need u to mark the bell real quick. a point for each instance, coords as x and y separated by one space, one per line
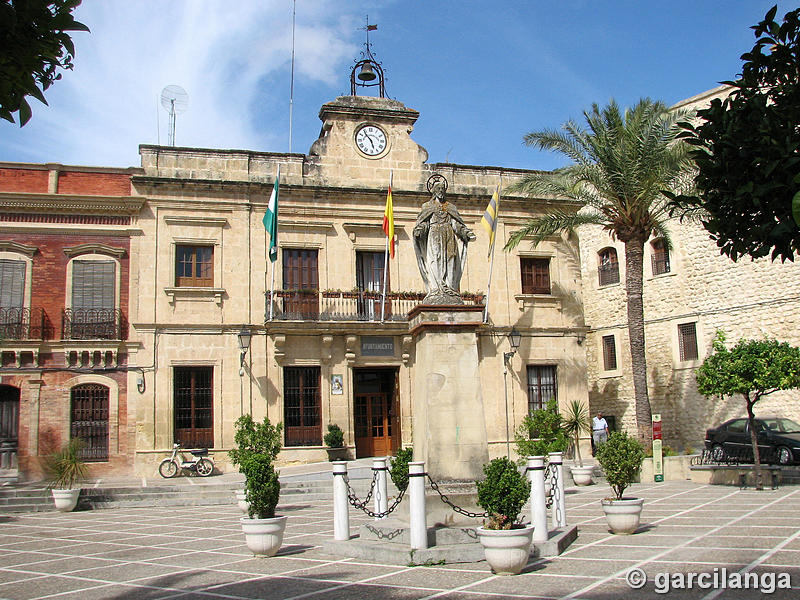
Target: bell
366 74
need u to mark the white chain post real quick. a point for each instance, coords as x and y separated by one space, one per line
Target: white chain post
418 526
341 511
559 506
381 490
538 500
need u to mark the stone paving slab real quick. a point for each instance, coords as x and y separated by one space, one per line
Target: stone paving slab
199 552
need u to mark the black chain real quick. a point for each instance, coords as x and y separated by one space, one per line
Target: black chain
447 501
362 504
554 496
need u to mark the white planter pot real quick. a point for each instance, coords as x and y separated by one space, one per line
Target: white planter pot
623 515
65 500
263 536
582 475
242 502
507 550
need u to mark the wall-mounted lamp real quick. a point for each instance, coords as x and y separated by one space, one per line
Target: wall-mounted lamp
514 339
140 383
244 345
581 339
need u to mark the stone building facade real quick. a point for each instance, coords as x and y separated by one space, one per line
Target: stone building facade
325 355
689 294
64 291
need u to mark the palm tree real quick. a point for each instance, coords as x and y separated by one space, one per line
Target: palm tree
620 166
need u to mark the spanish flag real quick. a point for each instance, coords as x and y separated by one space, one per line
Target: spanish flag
489 220
388 220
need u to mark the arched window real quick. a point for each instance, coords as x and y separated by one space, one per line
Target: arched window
92 311
660 257
608 266
89 420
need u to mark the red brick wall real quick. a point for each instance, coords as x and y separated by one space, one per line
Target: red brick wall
94 184
23 180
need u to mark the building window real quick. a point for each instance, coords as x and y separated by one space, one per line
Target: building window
300 283
89 420
369 279
302 406
609 353
535 275
93 313
12 297
541 386
608 269
687 341
660 257
194 266
193 399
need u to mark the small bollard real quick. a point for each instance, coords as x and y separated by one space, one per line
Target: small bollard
418 526
381 502
559 505
341 512
538 501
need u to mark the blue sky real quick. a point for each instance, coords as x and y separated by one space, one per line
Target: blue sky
481 74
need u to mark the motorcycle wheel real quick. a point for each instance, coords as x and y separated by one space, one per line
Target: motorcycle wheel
204 467
168 468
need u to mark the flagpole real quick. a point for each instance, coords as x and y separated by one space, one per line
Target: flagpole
272 285
491 250
291 81
386 259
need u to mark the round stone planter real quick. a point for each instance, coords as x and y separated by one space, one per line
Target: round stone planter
65 500
582 475
623 515
263 536
241 501
507 550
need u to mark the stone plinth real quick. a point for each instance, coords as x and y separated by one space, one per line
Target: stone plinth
449 423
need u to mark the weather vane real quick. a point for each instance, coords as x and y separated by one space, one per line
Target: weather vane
369 69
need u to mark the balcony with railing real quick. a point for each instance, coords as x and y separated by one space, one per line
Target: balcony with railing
24 324
311 305
93 324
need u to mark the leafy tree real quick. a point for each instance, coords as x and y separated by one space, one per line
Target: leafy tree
540 433
621 163
747 150
754 369
34 45
258 445
621 459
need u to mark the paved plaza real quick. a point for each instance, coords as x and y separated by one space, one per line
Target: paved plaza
199 552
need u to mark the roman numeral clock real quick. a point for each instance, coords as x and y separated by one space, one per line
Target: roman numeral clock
371 140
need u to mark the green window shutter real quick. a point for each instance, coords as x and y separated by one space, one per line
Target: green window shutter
12 283
93 284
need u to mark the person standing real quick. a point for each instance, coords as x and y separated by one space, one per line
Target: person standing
599 431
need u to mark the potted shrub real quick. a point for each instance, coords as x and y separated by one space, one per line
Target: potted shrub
621 458
334 440
258 445
65 468
575 422
506 544
540 433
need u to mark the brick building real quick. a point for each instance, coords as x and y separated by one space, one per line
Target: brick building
64 294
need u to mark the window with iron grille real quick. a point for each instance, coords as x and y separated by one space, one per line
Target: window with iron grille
608 269
542 386
687 341
193 401
660 257
609 353
535 275
302 406
194 266
89 420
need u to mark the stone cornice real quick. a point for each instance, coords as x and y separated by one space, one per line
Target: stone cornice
94 249
19 248
69 203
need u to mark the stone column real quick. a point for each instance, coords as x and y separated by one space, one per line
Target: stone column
538 500
418 526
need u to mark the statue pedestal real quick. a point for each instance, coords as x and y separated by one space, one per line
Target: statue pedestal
449 423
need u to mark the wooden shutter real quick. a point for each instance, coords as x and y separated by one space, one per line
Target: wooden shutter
535 275
12 283
93 284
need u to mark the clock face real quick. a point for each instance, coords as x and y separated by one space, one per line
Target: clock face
371 140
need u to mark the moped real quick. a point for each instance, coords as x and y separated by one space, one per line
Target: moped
199 463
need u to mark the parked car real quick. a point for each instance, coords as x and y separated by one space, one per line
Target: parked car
778 440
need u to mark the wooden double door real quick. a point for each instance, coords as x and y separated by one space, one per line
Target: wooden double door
376 412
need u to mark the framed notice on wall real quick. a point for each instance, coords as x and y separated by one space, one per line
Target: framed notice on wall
337 385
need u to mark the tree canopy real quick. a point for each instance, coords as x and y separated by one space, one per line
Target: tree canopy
34 46
746 147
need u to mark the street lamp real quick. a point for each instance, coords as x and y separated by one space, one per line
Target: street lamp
514 339
244 345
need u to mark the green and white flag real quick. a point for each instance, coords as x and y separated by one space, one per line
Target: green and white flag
270 219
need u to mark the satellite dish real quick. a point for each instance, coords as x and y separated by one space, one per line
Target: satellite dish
175 99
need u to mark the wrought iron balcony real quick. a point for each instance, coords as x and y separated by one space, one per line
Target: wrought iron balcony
23 324
311 305
93 324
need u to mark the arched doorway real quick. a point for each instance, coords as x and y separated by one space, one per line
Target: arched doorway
9 427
